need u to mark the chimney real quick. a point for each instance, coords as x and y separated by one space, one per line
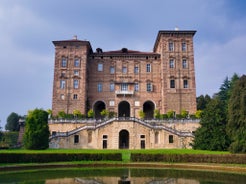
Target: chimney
75 37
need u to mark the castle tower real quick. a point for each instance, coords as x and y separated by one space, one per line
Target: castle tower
178 71
70 75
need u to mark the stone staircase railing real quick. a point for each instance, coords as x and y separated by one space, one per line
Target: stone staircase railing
94 124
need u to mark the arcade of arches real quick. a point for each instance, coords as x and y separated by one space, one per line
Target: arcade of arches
124 109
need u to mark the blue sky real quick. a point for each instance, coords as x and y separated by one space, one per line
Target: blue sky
28 28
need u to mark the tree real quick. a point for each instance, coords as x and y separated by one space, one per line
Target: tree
141 114
50 113
36 134
202 101
13 122
212 133
104 113
157 114
170 114
184 113
236 126
61 114
90 113
77 113
1 134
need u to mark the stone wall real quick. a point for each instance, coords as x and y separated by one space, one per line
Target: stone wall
94 137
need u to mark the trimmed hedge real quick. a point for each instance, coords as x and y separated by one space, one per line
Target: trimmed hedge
192 158
57 157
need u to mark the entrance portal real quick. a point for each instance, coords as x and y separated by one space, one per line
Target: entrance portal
98 107
124 109
124 139
148 108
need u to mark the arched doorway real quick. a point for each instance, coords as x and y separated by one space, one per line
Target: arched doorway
98 107
124 109
148 108
124 139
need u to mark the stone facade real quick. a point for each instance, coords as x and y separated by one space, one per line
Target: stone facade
118 133
124 82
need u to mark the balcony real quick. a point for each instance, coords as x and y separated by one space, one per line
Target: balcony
119 92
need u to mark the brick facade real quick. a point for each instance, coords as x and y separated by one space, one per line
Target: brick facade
163 79
124 82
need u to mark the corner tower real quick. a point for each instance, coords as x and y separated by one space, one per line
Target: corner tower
70 76
178 71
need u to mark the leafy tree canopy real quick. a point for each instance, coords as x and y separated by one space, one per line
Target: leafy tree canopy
212 133
202 101
236 126
36 134
12 122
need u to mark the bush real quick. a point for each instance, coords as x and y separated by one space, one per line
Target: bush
194 158
57 157
163 116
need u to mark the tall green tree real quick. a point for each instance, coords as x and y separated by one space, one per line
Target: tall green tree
1 134
212 133
202 101
36 134
236 126
12 122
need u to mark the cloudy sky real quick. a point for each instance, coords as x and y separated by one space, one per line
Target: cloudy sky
28 28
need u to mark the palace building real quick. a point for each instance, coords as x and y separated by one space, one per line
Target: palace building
126 83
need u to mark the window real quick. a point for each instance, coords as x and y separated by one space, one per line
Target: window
149 87
75 83
184 46
124 69
62 96
156 137
111 103
136 70
105 144
171 63
171 46
172 83
75 96
89 136
76 62
142 144
124 87
111 87
105 141
100 67
170 138
64 62
142 136
184 63
63 74
137 103
136 87
186 83
62 84
76 72
112 69
76 139
148 67
99 87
